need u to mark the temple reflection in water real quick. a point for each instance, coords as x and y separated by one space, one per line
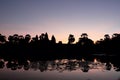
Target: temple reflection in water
60 69
59 65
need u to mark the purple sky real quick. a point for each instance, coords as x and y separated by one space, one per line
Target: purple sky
60 17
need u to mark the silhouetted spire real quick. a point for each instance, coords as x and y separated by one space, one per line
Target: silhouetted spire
53 40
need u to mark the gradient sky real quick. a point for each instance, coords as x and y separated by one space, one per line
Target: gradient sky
60 17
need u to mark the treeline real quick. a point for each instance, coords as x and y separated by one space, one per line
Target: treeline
19 45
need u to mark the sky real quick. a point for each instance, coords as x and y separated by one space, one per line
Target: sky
60 18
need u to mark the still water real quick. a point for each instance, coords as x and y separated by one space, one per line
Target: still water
59 69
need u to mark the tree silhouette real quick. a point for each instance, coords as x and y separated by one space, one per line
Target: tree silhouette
21 39
99 42
2 64
25 44
59 42
106 37
108 66
2 38
15 38
42 36
115 35
35 39
84 40
71 39
10 38
84 35
27 38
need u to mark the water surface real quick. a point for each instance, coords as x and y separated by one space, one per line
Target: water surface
59 69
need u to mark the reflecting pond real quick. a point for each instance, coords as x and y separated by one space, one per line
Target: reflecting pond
59 69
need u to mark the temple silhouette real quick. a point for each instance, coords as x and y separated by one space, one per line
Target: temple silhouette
42 47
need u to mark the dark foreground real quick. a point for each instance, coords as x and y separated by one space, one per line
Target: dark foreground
94 67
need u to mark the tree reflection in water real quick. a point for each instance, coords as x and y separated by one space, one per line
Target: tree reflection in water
59 65
1 63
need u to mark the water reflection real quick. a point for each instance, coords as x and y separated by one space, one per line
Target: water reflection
1 63
59 65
